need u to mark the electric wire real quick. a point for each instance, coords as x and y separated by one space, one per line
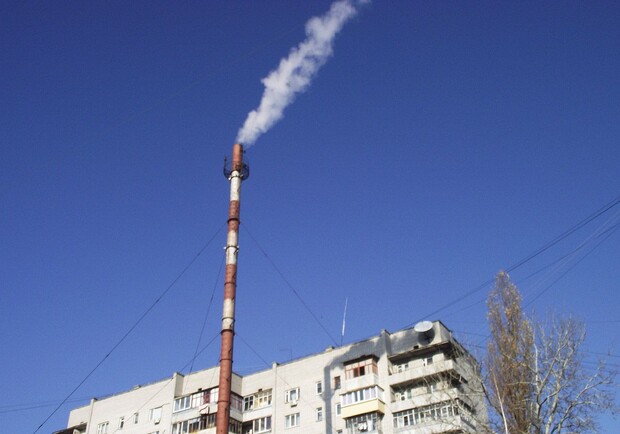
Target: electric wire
597 233
540 293
587 362
486 336
131 329
15 408
172 377
290 286
603 232
301 397
527 258
568 232
204 323
127 120
523 261
543 268
606 230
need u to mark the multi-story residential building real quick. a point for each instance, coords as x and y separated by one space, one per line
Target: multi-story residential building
416 380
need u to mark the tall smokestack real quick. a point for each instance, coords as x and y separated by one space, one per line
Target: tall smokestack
236 172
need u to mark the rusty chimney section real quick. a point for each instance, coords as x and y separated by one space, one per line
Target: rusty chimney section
236 172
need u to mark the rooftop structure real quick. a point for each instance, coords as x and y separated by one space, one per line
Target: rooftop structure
416 380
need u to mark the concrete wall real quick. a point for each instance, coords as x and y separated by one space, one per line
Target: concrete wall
303 373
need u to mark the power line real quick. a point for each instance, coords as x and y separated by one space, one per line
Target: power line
131 329
191 361
15 408
204 323
43 404
528 258
290 286
301 398
571 267
568 232
609 231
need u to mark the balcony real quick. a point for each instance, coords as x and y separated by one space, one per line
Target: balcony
369 423
370 406
450 424
424 399
258 413
360 382
453 366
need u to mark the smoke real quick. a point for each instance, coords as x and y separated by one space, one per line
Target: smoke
295 72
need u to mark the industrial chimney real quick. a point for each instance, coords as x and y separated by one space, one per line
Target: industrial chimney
236 172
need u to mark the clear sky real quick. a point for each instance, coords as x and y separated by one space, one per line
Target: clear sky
442 142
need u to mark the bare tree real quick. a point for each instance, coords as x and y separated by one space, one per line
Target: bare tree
536 380
569 395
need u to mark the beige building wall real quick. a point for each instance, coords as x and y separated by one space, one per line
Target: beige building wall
417 375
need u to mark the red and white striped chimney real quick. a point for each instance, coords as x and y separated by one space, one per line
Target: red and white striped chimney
237 172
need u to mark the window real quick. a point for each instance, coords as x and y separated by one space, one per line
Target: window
431 387
193 425
102 428
155 414
319 414
403 394
262 425
234 426
363 423
360 368
263 398
292 396
121 422
181 427
203 422
248 403
236 401
198 399
400 367
337 382
208 421
182 403
211 395
135 417
260 399
291 420
360 395
187 426
428 361
441 410
338 409
319 387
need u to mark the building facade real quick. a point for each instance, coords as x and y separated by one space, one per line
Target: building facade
416 380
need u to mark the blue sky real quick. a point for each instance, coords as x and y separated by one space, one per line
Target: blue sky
442 142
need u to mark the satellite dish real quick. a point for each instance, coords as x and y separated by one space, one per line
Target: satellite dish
425 329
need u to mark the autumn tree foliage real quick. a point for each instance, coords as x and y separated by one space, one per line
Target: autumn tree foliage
536 381
510 358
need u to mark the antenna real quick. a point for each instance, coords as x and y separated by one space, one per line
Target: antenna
344 318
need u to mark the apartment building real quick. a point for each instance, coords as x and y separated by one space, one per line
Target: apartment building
416 380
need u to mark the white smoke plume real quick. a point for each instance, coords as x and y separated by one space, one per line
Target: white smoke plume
296 71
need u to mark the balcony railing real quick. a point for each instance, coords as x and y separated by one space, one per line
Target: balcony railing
425 371
360 382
